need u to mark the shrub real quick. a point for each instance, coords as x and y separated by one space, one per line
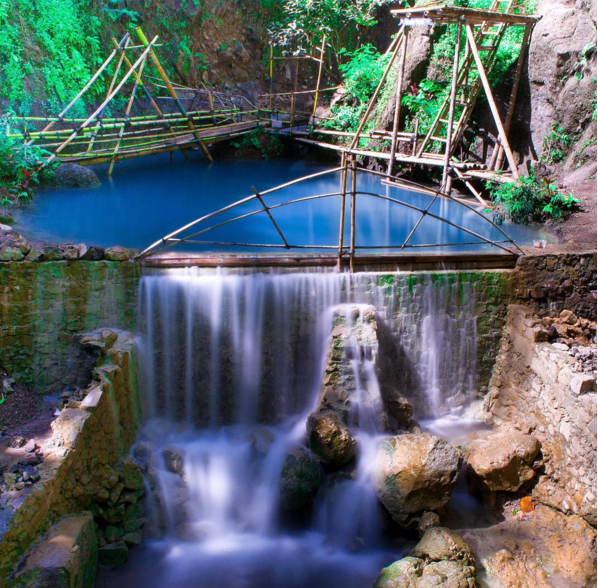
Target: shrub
363 71
19 165
530 199
555 145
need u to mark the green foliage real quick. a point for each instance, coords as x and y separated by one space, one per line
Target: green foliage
49 44
305 22
530 199
556 145
424 101
18 164
117 10
268 146
362 73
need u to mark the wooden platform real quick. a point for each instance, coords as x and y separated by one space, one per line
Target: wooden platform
362 263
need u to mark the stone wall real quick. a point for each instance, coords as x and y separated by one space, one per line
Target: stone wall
556 282
88 439
42 305
541 389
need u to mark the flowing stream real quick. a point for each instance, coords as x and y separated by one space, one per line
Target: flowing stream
232 365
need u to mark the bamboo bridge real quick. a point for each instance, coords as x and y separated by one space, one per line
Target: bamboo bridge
98 138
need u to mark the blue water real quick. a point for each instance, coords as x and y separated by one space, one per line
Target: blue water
148 198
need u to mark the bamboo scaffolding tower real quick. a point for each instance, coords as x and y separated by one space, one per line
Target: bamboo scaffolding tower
479 35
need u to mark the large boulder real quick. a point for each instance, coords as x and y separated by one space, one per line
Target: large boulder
330 439
501 462
440 560
300 479
71 175
66 558
415 474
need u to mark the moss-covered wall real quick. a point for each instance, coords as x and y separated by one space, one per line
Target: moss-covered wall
42 305
88 439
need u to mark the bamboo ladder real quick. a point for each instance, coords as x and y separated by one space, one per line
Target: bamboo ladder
483 41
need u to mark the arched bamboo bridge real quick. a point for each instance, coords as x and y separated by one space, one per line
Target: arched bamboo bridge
347 249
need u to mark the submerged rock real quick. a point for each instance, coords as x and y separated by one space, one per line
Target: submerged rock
114 554
440 560
330 439
415 474
501 462
300 479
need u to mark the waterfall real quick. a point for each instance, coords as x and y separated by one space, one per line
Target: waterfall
236 347
232 366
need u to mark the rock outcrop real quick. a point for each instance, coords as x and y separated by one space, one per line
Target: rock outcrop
541 549
71 175
562 68
440 559
300 479
415 474
330 439
501 462
351 392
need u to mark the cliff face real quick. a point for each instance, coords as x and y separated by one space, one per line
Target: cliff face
562 69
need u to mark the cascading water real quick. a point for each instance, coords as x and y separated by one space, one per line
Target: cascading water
232 366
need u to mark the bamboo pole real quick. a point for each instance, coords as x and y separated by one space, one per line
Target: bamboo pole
110 88
271 73
267 210
341 231
472 189
353 210
149 96
295 81
319 80
499 155
103 105
449 127
374 98
93 78
398 98
172 92
127 113
491 102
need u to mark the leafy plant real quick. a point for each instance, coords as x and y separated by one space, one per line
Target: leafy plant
266 144
117 10
19 164
556 144
530 199
362 73
305 22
